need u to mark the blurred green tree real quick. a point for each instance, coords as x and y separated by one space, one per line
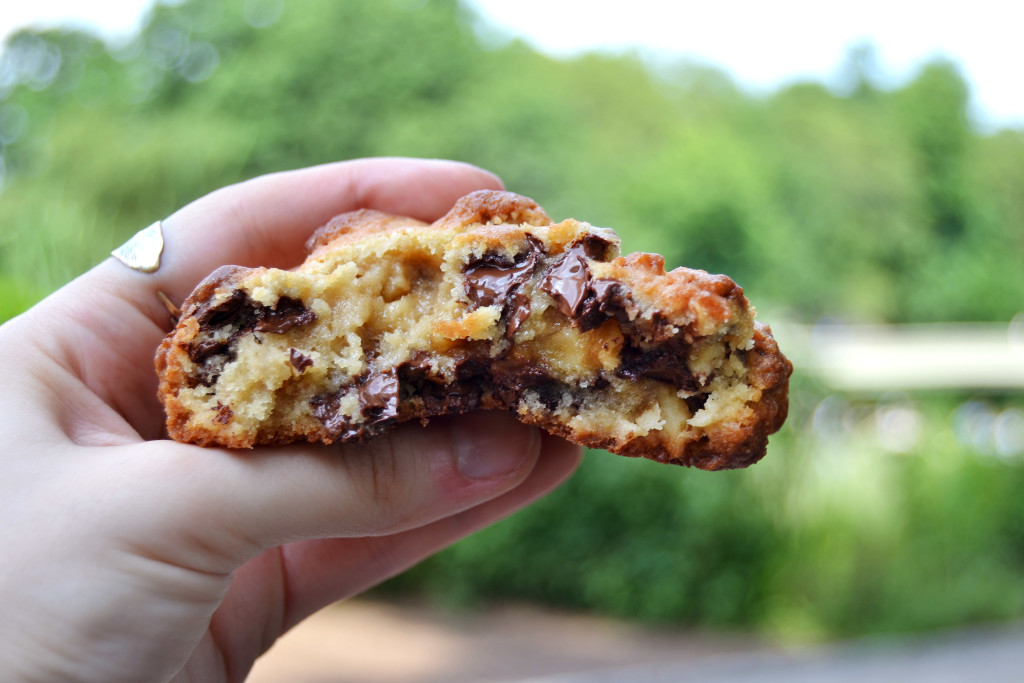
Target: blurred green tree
863 202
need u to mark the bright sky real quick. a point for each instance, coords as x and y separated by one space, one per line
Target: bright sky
762 44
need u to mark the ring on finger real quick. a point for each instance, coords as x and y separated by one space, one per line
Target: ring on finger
142 252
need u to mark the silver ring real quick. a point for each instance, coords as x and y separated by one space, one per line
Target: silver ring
142 252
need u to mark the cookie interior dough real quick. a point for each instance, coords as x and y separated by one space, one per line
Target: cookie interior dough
492 306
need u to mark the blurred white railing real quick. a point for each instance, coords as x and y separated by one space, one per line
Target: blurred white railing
965 356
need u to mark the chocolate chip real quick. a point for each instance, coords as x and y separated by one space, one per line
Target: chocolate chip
518 310
299 360
550 394
471 367
696 402
224 414
244 315
494 279
509 378
595 247
415 370
242 312
224 313
198 353
585 300
605 299
450 399
326 408
286 314
378 396
568 281
664 363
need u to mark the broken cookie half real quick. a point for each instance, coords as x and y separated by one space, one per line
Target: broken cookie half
493 306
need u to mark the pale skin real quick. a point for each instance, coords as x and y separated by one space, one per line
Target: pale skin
129 557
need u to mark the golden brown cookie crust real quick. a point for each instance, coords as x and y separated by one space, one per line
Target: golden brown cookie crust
493 306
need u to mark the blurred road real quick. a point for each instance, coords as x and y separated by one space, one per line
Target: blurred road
374 642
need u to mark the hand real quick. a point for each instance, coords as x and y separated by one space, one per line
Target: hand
128 557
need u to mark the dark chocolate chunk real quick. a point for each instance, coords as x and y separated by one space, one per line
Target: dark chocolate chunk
419 384
286 314
225 313
568 281
586 301
696 402
595 248
549 394
299 360
492 278
242 312
517 311
326 409
605 299
198 353
664 363
611 297
415 370
450 399
509 378
378 396
245 315
472 367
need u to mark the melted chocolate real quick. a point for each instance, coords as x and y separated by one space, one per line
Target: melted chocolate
198 353
666 363
245 315
471 367
378 404
596 248
508 378
299 360
326 409
286 314
224 313
493 279
568 281
517 310
605 299
489 281
242 312
415 370
449 399
696 402
378 397
586 301
418 382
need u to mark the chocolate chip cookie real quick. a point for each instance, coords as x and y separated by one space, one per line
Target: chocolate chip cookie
494 306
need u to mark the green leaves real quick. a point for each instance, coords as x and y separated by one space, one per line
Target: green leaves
865 204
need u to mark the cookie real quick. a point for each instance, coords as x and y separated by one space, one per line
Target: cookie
494 306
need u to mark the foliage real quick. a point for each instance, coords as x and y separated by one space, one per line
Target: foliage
869 204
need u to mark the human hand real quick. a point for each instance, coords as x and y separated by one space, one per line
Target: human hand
129 557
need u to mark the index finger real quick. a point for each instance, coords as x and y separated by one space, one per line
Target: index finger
116 318
265 221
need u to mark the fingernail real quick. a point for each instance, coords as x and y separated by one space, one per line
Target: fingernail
492 444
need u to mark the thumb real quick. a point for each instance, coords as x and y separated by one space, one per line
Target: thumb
218 508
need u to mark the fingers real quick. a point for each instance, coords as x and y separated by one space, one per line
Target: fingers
114 312
301 578
322 572
219 508
266 221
